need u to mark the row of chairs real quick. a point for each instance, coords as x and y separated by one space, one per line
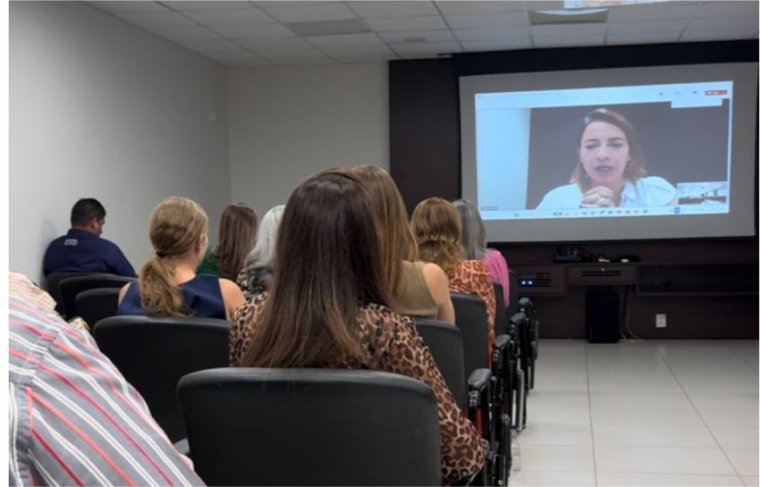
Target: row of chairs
68 290
484 386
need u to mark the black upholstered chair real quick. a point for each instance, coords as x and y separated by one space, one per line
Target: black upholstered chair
52 282
501 318
518 323
95 304
154 353
71 286
472 320
529 340
250 426
445 344
514 297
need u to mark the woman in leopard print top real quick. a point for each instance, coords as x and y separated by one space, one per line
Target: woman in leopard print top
333 258
436 227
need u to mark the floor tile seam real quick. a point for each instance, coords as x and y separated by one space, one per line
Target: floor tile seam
694 406
741 359
590 417
641 447
725 455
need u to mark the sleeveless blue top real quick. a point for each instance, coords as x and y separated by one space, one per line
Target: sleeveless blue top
201 296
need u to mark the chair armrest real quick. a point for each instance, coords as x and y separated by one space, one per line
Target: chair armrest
479 379
501 342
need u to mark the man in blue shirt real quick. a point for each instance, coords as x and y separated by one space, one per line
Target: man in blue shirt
82 249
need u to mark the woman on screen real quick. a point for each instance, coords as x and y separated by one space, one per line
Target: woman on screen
610 170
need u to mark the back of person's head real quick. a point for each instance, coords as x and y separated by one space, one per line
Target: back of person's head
327 265
237 232
177 230
396 240
85 210
473 231
436 226
261 259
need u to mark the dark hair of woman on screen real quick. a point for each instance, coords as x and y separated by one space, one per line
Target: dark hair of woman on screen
328 308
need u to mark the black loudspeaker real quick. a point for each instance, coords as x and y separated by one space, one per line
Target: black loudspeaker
602 316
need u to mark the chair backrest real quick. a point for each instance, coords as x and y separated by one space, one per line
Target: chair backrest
472 320
154 353
500 319
71 286
514 296
445 343
52 282
251 426
95 304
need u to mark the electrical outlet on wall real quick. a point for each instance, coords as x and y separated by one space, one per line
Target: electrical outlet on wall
660 320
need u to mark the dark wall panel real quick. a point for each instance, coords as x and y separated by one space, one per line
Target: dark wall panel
424 129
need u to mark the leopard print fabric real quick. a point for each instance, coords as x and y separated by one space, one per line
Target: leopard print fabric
394 346
471 277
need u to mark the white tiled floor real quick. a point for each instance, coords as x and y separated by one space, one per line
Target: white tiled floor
642 413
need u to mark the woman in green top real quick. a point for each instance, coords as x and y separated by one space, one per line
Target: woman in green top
237 233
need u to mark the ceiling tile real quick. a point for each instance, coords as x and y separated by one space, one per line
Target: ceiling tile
727 9
249 16
215 45
310 13
373 53
406 23
432 49
272 44
652 26
491 34
479 7
119 7
418 36
179 33
568 41
157 19
496 45
641 37
660 11
393 9
194 6
477 21
718 35
291 54
723 23
346 40
265 31
568 30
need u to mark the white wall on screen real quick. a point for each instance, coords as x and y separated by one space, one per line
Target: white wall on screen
289 122
101 108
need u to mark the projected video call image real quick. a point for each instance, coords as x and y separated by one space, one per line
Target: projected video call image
571 152
624 155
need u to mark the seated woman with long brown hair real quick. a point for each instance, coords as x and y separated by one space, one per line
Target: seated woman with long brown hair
417 288
237 232
436 226
167 284
327 307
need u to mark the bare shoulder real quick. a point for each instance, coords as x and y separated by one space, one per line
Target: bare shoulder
123 291
433 273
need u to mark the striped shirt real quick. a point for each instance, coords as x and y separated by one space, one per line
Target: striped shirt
74 419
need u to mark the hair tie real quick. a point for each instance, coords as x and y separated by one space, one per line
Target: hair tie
160 254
